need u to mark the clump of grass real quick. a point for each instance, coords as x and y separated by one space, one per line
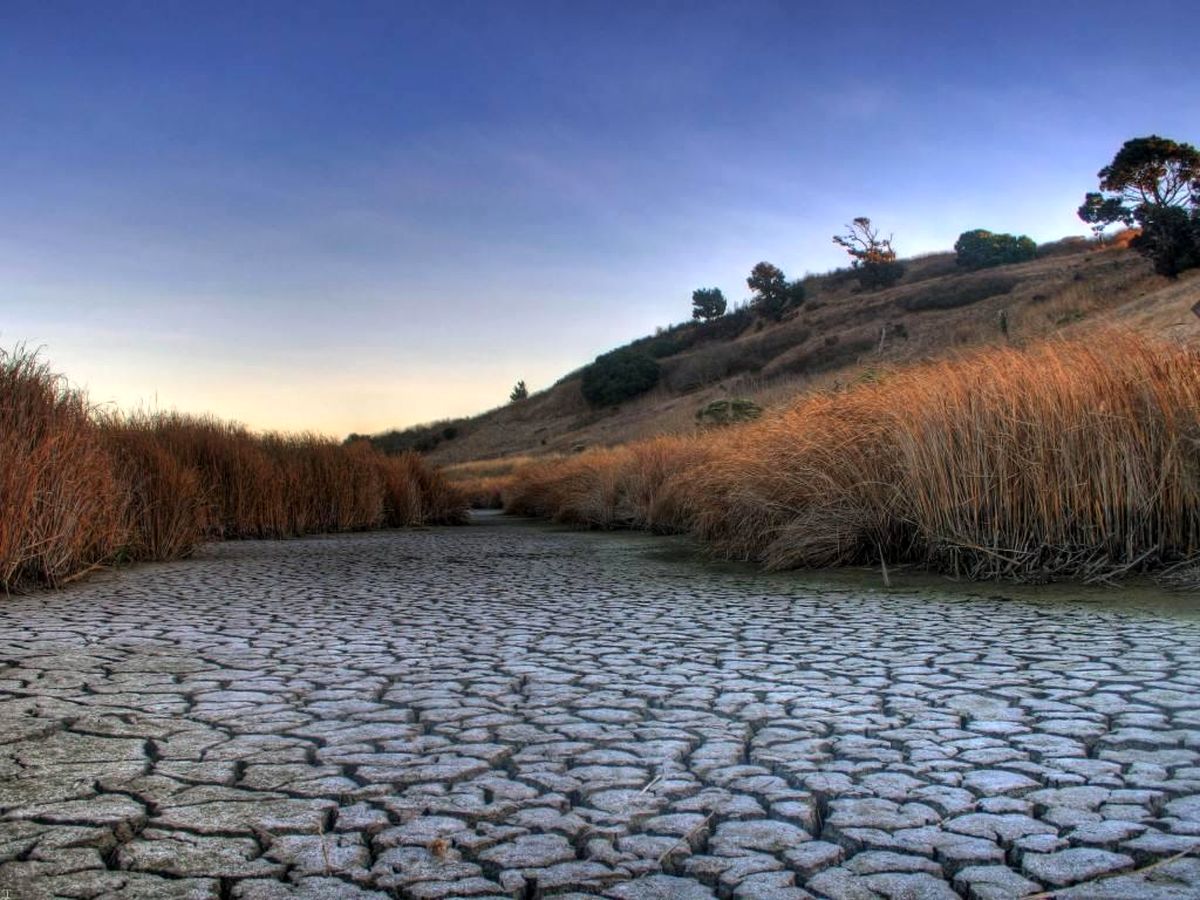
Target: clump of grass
61 505
1066 460
485 482
166 506
623 487
79 489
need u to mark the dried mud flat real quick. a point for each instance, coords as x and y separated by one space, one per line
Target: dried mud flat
513 710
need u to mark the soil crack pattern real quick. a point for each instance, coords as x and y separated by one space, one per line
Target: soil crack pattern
514 710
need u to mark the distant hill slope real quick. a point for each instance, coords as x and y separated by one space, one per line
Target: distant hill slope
838 335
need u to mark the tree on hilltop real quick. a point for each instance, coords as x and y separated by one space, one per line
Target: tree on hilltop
1152 182
773 293
872 256
981 248
708 303
519 392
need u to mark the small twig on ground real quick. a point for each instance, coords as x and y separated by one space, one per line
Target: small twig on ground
88 571
686 839
1048 895
651 783
324 847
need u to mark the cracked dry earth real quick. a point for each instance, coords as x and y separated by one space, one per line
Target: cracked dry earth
513 710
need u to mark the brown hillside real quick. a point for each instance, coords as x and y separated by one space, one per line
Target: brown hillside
842 334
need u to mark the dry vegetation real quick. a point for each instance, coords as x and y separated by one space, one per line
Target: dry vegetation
842 334
79 490
484 481
1070 459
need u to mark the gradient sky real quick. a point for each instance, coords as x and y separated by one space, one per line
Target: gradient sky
352 216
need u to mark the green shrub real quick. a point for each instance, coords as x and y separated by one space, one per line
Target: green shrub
879 275
418 438
618 376
727 412
980 249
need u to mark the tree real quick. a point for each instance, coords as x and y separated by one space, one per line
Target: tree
708 303
980 248
773 293
1152 182
519 392
873 257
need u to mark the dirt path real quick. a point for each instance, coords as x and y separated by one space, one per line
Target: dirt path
514 710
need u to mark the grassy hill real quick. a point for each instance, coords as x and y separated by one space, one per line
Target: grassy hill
841 334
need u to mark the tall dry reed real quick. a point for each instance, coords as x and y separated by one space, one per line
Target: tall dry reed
1067 460
79 489
61 505
632 486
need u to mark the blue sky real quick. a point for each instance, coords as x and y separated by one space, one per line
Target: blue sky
352 216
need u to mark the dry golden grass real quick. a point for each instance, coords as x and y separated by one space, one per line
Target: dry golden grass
61 509
622 487
79 489
1070 459
841 333
485 481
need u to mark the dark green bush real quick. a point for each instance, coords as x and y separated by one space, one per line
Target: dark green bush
720 413
1170 238
980 249
879 275
618 376
418 438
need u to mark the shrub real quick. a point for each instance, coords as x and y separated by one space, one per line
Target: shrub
618 376
980 249
418 438
725 328
720 413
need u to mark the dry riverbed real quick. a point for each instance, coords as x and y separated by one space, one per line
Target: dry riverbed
516 710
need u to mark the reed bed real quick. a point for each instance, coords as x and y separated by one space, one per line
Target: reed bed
484 482
61 509
1067 460
80 489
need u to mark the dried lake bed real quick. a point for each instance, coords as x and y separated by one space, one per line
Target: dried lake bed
518 710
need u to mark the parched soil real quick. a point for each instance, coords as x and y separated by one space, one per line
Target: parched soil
515 710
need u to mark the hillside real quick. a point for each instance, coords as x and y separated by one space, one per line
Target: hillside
839 334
